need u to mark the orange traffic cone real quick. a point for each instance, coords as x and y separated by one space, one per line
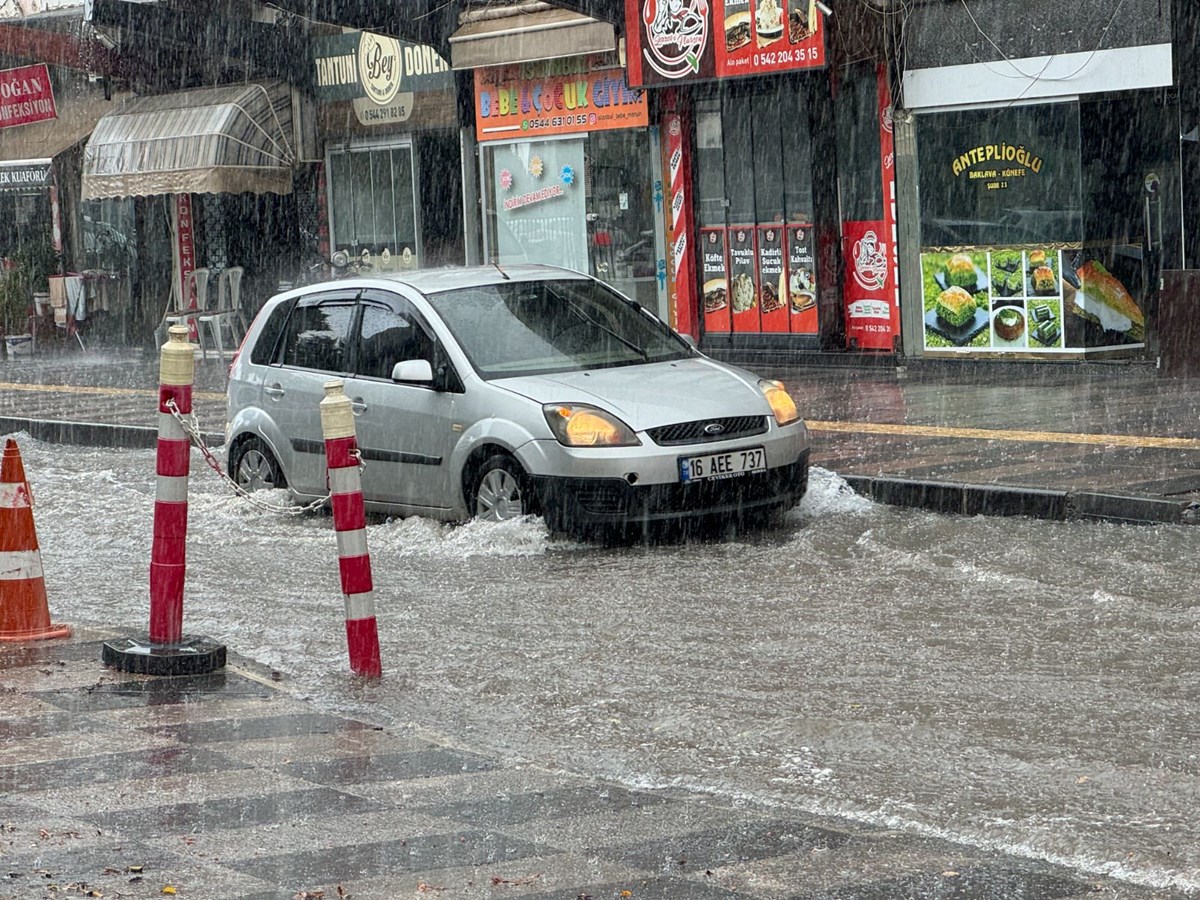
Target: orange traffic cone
24 615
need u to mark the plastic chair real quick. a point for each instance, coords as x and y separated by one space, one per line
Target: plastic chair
197 279
228 312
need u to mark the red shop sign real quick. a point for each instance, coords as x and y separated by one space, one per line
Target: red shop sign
869 292
26 96
672 41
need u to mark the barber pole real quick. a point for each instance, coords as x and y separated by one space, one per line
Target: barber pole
350 523
168 555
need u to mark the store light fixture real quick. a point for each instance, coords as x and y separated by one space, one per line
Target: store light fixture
823 8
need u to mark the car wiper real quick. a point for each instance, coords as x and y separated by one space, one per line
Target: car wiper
628 343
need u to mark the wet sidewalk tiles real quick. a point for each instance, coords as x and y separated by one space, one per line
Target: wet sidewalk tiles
227 786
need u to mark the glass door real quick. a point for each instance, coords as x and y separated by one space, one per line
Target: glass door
372 210
585 203
754 202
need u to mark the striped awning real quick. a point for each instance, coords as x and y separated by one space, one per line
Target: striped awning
226 139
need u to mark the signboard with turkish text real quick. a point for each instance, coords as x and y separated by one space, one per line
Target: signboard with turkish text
673 41
538 100
186 253
26 96
715 265
802 279
772 293
27 176
743 280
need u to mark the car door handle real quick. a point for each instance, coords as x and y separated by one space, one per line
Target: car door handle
358 406
274 390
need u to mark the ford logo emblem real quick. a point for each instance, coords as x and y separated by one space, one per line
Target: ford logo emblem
714 428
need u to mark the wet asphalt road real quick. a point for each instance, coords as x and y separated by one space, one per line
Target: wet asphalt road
1019 686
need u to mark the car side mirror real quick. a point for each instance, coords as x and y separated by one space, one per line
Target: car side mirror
687 339
413 370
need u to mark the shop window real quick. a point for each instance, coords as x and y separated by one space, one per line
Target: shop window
372 206
585 203
1040 233
754 201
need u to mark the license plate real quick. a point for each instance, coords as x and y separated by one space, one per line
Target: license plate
731 464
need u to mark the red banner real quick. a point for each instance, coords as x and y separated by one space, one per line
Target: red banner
679 226
186 239
26 96
868 290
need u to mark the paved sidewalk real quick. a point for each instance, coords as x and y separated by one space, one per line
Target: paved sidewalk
1073 440
226 786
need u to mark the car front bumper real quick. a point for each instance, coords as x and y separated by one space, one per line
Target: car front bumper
572 504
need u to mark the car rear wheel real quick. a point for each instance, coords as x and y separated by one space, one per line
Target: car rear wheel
500 490
253 466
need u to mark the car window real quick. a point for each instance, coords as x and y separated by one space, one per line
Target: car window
536 327
264 350
387 337
316 335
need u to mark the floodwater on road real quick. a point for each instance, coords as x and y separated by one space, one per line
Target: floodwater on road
1023 685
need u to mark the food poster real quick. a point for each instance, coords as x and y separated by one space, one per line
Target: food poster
716 280
1025 298
801 279
743 279
673 41
772 291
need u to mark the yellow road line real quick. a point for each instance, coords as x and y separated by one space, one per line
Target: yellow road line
103 391
937 431
986 434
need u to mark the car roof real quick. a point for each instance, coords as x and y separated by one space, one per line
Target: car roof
433 281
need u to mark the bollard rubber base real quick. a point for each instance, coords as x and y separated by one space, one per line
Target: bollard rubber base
191 656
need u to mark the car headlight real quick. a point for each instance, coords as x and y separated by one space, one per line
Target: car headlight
782 404
580 425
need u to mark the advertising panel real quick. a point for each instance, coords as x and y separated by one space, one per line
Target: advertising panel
673 41
554 97
715 263
743 278
1026 299
869 293
26 96
802 279
773 311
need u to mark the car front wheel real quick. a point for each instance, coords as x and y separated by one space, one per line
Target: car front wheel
253 466
500 490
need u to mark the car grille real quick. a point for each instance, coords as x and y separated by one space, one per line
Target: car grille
617 499
694 433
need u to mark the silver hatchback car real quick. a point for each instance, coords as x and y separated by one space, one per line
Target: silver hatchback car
498 393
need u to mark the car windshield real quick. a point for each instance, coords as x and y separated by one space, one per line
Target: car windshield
538 327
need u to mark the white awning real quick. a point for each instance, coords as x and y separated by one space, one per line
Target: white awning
226 139
528 32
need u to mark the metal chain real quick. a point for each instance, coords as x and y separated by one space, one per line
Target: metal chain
191 427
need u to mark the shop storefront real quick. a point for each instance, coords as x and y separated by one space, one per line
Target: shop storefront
392 173
1047 203
769 255
570 173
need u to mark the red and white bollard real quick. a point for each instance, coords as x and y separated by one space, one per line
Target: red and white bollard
167 651
168 556
350 523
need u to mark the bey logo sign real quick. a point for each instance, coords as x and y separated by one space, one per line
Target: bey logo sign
379 67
